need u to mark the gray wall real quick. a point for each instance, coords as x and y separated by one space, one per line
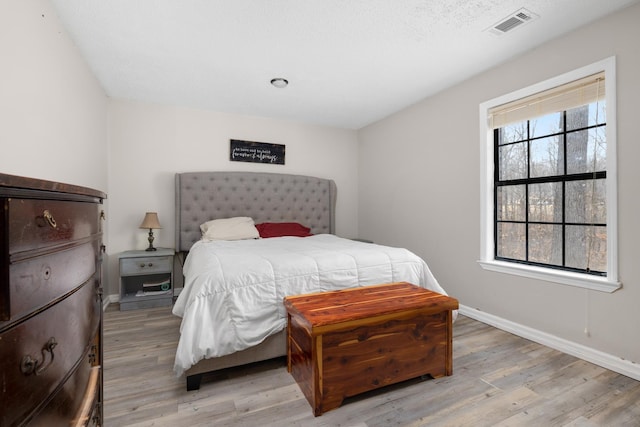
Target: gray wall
419 187
149 143
53 111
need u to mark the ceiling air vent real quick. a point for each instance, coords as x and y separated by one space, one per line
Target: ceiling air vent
512 21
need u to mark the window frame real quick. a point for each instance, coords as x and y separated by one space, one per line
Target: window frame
608 283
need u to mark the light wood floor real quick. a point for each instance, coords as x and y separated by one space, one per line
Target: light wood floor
499 380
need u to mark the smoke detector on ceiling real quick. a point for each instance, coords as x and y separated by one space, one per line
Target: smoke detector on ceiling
513 21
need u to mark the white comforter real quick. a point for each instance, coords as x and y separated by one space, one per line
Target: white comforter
233 291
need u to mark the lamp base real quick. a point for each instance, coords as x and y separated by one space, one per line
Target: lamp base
150 248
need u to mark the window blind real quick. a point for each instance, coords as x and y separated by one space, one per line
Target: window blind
570 95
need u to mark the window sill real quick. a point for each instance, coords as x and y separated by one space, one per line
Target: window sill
585 281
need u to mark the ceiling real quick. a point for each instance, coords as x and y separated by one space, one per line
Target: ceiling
348 62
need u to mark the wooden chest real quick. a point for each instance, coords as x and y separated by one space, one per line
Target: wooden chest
50 303
346 342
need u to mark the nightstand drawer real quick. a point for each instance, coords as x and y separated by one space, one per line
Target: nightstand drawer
146 265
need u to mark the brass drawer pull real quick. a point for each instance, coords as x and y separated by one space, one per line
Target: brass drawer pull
29 365
92 356
49 218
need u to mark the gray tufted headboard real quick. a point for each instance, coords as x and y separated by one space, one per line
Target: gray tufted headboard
266 197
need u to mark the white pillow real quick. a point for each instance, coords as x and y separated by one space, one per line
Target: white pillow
237 228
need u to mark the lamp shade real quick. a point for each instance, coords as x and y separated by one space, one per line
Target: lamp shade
150 221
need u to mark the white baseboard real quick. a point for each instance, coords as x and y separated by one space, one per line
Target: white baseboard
606 360
108 299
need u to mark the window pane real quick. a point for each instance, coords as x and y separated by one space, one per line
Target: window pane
587 150
511 240
587 115
546 125
550 189
511 203
545 244
512 133
513 161
586 202
586 247
547 157
545 202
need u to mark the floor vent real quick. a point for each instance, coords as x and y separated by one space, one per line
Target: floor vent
512 21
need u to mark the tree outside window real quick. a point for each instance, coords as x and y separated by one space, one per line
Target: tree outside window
550 187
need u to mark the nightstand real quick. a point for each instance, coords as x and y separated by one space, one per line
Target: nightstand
146 279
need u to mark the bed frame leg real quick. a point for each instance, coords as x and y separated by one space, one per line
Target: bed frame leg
193 382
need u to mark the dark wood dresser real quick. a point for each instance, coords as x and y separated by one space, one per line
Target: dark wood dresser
50 303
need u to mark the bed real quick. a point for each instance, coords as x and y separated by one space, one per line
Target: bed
231 303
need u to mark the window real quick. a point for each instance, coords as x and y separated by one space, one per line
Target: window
548 184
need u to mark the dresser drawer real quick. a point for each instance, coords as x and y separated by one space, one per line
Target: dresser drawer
144 265
54 341
76 401
35 282
40 223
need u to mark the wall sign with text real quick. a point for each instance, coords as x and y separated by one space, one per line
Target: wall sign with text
256 152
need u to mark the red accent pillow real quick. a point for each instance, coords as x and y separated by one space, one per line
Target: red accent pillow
279 229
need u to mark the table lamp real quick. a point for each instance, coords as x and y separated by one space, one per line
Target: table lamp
150 221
